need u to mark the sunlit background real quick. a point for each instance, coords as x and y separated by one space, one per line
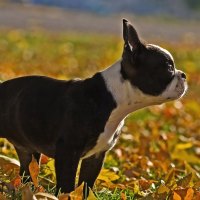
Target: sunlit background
158 154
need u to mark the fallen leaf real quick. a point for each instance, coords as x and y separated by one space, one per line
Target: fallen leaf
170 178
77 194
9 165
145 184
27 194
163 189
91 195
176 196
184 145
2 197
108 176
44 196
123 196
44 159
34 171
181 154
64 197
190 194
16 182
184 182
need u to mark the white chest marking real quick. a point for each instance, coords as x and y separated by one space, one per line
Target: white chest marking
108 138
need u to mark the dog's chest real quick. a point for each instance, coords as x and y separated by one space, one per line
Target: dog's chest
108 138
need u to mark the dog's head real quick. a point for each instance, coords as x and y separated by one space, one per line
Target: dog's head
150 68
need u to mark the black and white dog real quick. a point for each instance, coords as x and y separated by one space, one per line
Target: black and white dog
81 119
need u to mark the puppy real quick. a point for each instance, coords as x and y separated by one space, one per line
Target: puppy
81 119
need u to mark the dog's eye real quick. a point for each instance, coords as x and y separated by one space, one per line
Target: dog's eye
171 68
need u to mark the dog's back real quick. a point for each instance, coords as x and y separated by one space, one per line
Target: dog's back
28 107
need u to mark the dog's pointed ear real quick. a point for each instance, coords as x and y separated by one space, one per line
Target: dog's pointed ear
130 35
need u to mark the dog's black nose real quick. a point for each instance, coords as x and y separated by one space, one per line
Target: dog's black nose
183 76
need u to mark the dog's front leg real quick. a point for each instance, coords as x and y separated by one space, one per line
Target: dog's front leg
66 163
90 169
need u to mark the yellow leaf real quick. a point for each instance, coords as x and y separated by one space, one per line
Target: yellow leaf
185 156
91 195
170 179
34 171
176 196
77 194
163 189
190 194
189 169
107 175
184 145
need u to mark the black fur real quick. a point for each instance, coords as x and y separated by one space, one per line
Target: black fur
44 115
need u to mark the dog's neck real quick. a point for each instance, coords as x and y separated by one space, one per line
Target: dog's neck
127 97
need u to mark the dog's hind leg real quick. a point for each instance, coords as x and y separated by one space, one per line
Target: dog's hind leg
90 169
25 158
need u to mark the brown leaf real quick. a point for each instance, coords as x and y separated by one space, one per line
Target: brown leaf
27 194
9 165
34 171
184 182
196 195
145 184
2 197
44 196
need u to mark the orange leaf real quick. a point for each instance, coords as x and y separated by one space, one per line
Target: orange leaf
16 182
34 171
64 197
44 159
176 196
190 194
123 196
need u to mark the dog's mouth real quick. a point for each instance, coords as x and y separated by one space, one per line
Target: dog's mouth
176 88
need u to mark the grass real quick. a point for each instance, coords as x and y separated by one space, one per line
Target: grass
159 146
